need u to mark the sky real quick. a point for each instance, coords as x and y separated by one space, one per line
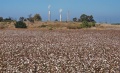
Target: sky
102 10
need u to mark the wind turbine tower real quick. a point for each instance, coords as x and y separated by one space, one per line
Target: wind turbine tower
68 16
60 10
49 13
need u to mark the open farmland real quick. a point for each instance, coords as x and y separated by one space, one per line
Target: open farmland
59 51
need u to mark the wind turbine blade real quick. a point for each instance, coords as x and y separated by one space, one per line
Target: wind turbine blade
49 6
60 10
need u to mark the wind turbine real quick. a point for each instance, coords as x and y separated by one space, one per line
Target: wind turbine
49 13
60 10
68 16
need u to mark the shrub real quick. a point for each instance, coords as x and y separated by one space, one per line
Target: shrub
20 24
86 24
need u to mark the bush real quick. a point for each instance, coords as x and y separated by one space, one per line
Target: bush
86 24
20 24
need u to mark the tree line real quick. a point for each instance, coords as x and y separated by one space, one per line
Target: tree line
87 20
36 17
84 17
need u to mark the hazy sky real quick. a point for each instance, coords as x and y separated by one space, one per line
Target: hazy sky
102 10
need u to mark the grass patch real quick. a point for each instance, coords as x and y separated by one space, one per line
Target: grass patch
43 25
51 28
115 23
73 27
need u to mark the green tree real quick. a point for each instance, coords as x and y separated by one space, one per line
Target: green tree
87 18
30 18
56 20
37 17
1 19
75 19
21 19
83 17
8 19
90 18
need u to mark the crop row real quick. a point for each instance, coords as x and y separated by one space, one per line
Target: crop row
60 51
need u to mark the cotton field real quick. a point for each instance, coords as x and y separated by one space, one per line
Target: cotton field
59 51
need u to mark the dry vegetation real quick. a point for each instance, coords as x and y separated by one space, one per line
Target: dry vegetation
58 26
43 25
7 25
54 25
59 51
109 27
